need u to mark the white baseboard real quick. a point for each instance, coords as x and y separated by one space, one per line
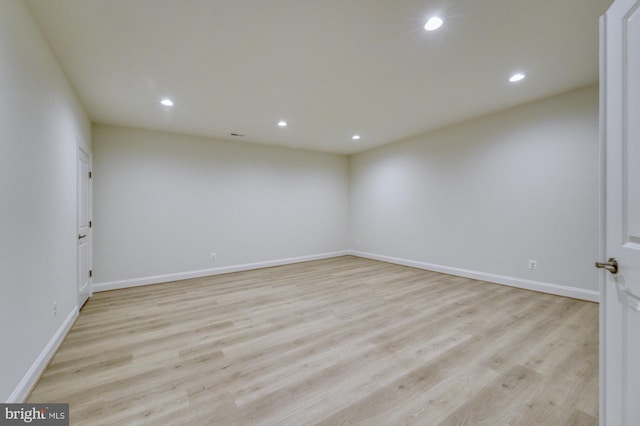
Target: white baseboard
157 279
21 392
544 287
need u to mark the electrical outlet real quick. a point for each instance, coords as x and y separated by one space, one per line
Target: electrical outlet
55 309
357 242
213 257
533 264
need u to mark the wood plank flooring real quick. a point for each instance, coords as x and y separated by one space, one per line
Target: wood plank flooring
343 341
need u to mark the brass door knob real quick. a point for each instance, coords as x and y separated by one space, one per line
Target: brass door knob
611 265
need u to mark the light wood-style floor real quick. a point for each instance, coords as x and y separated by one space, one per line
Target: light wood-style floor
332 342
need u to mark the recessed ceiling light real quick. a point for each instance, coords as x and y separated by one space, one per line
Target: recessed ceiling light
355 137
282 123
516 77
167 102
433 23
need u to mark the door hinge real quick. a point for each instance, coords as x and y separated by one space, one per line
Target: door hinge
90 273
90 224
90 175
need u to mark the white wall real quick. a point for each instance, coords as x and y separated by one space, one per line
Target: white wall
483 197
164 202
40 120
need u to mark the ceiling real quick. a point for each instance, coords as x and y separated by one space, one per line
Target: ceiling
330 68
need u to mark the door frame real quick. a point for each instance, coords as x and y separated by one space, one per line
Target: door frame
81 149
602 226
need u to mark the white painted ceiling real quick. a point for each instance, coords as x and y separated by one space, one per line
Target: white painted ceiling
330 68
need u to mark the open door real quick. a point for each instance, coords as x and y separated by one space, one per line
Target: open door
84 227
620 279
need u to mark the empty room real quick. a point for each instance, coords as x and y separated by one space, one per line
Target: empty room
288 212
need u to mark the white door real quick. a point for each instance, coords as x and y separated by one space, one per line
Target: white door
620 292
84 227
